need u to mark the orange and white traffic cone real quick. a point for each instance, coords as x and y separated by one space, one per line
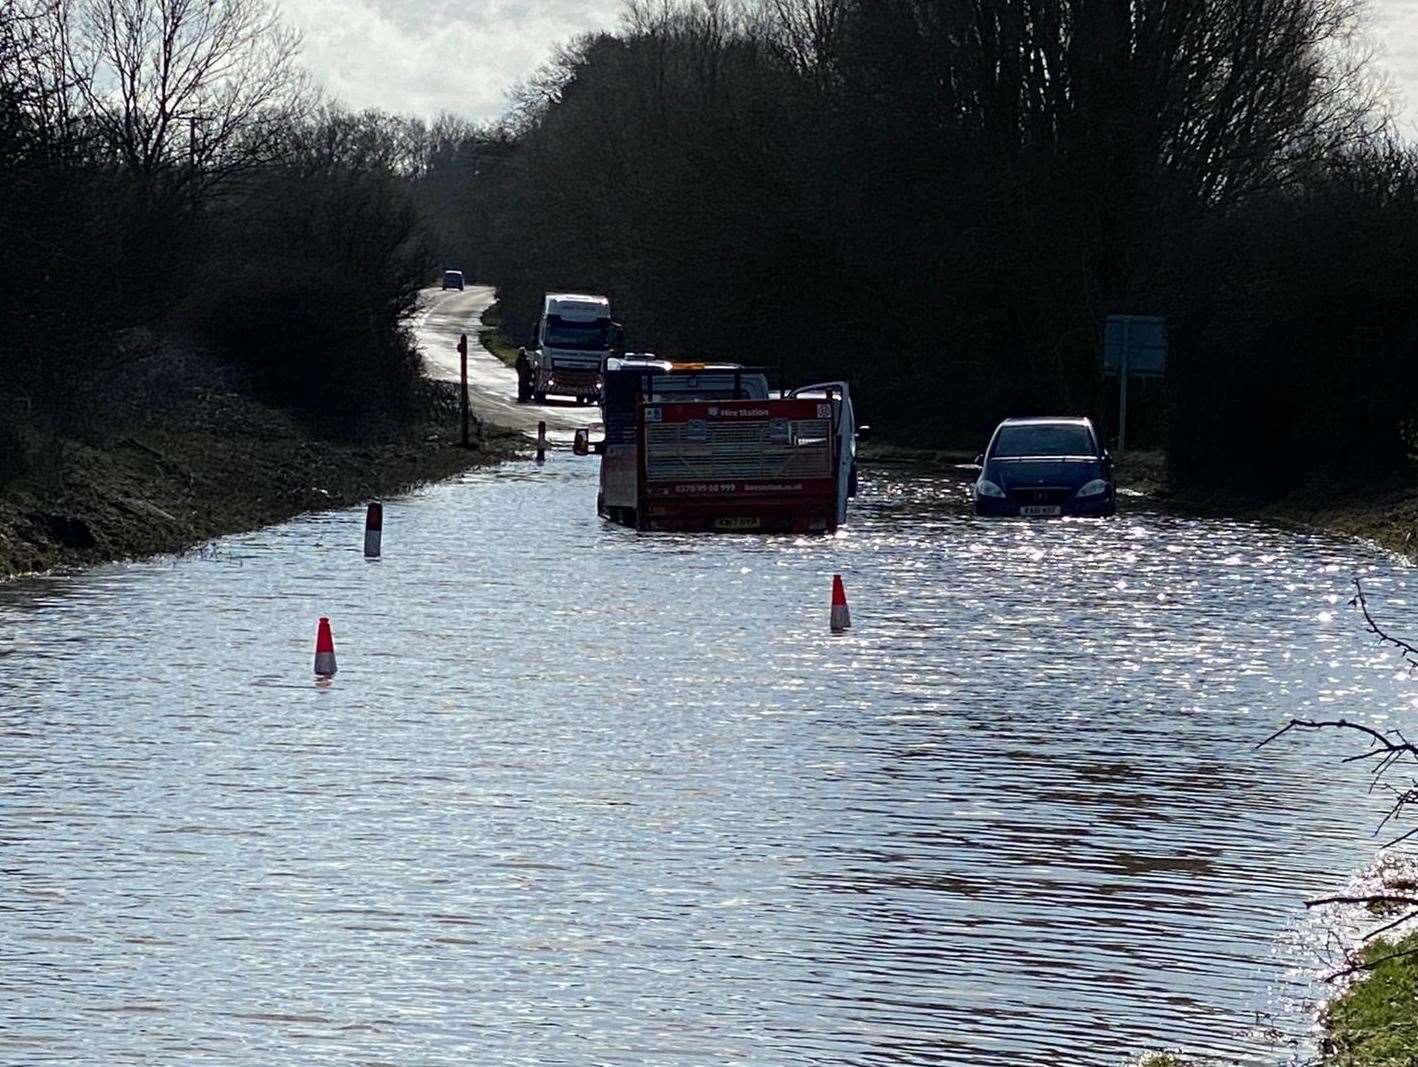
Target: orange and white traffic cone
324 650
841 617
373 529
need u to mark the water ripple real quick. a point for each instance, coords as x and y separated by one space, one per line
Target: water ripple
581 796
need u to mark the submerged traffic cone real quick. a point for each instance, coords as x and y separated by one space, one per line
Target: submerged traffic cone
373 529
324 650
841 617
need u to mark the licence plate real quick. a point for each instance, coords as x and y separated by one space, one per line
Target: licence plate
737 524
1039 509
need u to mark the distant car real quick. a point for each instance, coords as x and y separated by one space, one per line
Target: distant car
453 279
1042 467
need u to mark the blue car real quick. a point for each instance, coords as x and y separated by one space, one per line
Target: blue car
1045 467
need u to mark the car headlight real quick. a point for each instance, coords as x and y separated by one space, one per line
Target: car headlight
987 488
1093 488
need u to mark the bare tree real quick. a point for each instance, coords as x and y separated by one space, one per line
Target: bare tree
809 34
191 89
32 92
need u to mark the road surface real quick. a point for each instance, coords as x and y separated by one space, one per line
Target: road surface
492 385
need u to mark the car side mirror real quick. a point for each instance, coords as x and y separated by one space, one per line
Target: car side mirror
581 444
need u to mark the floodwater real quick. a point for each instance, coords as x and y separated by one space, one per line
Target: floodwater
581 796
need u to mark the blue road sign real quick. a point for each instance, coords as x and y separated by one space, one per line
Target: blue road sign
1137 343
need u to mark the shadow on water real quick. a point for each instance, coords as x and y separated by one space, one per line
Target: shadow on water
581 794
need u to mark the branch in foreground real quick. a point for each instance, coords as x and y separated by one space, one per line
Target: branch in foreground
1410 652
1388 745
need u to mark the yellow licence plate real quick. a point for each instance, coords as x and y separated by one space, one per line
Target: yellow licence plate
737 524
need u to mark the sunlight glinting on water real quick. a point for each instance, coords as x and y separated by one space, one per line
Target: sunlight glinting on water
578 795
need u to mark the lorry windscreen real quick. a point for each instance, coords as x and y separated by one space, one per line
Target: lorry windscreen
584 336
713 386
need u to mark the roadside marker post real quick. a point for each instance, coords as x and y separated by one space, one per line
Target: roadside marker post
541 441
463 357
373 529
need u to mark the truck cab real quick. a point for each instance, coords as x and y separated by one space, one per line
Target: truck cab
573 339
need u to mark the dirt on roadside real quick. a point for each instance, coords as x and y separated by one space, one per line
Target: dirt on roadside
212 461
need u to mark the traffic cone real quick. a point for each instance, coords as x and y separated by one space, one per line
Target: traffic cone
841 617
373 529
324 650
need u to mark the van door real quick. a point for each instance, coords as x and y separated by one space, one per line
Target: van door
845 424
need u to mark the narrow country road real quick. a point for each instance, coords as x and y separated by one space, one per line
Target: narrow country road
492 385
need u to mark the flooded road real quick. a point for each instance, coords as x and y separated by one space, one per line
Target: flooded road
582 796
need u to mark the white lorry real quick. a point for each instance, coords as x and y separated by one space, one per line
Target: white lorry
574 336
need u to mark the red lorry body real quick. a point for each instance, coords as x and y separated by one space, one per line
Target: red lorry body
766 465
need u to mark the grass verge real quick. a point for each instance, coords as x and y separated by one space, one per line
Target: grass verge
498 345
1374 1023
493 339
212 461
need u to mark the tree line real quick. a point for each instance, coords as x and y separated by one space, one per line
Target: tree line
943 199
168 169
939 199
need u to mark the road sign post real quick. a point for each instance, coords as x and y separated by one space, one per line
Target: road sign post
1123 389
463 356
1133 345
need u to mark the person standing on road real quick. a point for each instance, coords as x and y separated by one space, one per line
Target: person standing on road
524 376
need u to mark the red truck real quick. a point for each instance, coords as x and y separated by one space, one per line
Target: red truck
696 446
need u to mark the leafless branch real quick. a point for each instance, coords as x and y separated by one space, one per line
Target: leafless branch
1385 750
1410 652
186 89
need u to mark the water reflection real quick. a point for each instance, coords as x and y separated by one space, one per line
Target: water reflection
582 796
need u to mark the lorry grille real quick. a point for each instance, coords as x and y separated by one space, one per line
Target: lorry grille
706 451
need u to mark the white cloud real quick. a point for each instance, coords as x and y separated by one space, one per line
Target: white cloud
1393 24
425 56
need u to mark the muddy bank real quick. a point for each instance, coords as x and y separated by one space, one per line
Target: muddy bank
209 460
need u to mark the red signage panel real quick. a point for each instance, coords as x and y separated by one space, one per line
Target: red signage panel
738 410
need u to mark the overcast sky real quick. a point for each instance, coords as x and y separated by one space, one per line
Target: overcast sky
426 56
1394 26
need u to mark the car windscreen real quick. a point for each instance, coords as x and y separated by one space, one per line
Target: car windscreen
585 336
1043 439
